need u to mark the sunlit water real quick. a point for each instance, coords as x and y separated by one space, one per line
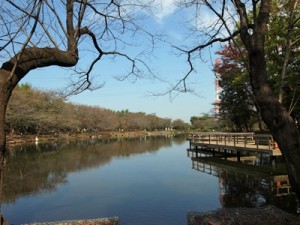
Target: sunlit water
147 181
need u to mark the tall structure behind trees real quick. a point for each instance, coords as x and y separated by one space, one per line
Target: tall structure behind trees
218 90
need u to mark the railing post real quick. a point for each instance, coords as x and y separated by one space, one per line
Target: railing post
234 140
256 141
271 143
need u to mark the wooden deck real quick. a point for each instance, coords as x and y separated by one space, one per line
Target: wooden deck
234 143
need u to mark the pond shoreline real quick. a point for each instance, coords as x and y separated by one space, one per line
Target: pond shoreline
268 215
30 138
100 221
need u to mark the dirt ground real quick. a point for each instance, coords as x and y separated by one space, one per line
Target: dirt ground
269 215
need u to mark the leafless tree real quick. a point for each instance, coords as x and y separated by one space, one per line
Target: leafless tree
248 21
41 33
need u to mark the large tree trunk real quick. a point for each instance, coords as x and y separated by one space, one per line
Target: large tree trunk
278 120
276 117
5 93
2 149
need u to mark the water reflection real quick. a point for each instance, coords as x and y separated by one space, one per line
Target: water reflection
32 169
140 181
148 180
244 185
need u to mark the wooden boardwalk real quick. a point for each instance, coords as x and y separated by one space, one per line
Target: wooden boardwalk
234 143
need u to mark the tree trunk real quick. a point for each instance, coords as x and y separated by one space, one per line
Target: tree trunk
276 117
278 120
5 93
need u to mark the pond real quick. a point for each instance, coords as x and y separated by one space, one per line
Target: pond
142 181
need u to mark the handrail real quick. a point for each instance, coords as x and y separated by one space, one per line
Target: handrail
235 139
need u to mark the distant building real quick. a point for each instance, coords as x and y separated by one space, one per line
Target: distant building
218 89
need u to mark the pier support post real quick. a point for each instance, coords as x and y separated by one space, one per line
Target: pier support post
238 155
260 159
273 160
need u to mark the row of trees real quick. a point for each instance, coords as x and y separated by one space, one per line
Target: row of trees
238 104
45 112
206 123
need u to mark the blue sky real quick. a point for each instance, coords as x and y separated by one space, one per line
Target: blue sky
139 95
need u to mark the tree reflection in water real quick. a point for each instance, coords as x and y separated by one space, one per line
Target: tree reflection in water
31 169
242 186
124 182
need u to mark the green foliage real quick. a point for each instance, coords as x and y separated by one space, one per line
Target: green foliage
25 86
282 38
205 123
180 125
237 103
38 112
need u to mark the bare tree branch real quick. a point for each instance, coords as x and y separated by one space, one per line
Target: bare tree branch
189 57
27 40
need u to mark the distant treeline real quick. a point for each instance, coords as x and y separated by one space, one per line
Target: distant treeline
32 111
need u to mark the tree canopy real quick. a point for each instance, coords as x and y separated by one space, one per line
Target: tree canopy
236 98
232 72
47 113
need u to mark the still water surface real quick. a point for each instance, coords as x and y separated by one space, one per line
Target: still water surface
147 181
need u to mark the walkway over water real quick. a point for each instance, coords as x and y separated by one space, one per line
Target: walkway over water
234 143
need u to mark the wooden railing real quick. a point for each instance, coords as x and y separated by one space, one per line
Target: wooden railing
248 141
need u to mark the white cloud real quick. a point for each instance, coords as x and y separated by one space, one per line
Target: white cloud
159 9
164 8
204 20
208 21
